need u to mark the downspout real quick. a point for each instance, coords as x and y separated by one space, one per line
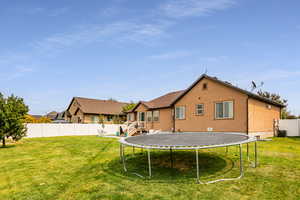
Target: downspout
173 117
247 126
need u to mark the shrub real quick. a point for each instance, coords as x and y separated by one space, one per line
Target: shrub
281 133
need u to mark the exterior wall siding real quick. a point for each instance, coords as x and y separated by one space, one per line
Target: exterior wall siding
249 115
85 118
165 122
214 93
261 118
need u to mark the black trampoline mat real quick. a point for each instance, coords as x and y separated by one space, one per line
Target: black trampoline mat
187 139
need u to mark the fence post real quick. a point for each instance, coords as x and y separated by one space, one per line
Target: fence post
298 127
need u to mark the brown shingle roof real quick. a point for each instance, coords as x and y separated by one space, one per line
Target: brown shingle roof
164 101
227 84
52 115
170 99
96 106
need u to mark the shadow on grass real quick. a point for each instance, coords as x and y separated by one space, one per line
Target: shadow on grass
297 138
211 165
8 146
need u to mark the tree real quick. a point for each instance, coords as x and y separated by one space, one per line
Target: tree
285 114
129 107
30 119
12 117
44 120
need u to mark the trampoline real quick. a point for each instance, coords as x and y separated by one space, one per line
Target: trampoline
189 141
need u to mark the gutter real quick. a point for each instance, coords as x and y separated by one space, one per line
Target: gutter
247 126
173 117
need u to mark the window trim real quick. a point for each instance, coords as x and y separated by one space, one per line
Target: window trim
147 116
130 117
93 119
139 116
108 118
153 117
184 113
225 118
196 109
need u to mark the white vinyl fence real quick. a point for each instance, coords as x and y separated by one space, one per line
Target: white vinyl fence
52 130
292 126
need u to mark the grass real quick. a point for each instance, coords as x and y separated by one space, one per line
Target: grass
88 167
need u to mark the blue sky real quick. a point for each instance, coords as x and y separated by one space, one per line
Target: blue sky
138 49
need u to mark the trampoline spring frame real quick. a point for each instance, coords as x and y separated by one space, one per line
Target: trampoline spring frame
224 179
239 146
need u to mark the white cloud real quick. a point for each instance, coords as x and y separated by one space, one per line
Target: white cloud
58 12
44 11
110 11
214 58
115 32
171 55
123 32
187 8
278 74
35 10
24 69
16 72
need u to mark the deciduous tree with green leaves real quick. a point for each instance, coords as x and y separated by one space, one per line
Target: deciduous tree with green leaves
12 115
285 114
129 107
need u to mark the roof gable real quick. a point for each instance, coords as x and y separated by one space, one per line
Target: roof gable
164 101
96 106
227 84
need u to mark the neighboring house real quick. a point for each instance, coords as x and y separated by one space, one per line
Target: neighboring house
84 110
208 105
60 118
52 115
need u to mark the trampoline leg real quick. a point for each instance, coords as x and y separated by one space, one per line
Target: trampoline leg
241 163
123 158
171 157
120 153
248 152
255 149
226 150
197 163
149 163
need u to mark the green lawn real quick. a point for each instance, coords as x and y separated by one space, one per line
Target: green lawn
88 168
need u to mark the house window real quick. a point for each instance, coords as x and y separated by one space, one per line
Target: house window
109 118
156 116
224 110
149 116
95 119
204 86
180 112
141 116
130 117
199 109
